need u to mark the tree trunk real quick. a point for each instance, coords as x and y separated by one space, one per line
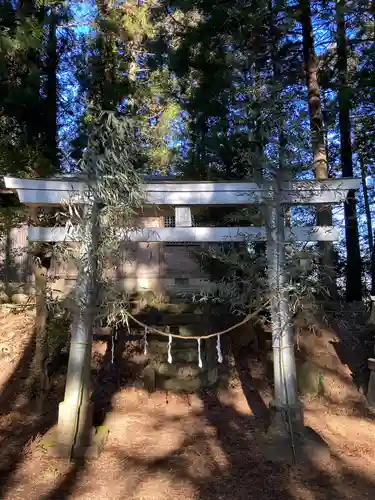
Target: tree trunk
325 128
370 235
8 264
41 347
373 271
320 161
51 101
280 114
39 377
366 202
31 114
371 319
106 94
354 262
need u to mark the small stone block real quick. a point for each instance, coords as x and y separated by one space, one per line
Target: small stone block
92 450
279 445
305 444
52 447
98 439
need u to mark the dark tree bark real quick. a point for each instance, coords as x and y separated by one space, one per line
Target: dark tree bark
39 375
366 202
370 234
30 111
280 116
51 100
105 94
372 293
373 270
354 262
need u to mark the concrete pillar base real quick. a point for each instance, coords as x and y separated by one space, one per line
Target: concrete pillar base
92 449
295 411
74 424
282 445
68 440
371 383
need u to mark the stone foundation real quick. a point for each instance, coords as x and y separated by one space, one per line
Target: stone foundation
292 444
183 374
91 449
70 439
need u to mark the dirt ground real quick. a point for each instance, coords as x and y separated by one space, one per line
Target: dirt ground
164 446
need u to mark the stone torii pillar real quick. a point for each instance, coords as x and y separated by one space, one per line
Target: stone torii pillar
287 421
75 435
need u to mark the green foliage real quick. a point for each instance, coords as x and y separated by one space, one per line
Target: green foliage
29 106
137 83
116 196
135 22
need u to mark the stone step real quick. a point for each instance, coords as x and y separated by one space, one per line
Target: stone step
187 384
176 369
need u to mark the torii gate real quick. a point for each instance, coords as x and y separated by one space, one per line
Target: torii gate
74 412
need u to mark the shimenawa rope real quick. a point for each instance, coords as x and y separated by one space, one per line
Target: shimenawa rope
200 337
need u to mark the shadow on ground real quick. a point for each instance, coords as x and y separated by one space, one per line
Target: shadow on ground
219 458
21 422
224 460
355 338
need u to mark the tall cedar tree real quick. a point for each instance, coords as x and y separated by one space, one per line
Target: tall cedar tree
354 261
320 161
